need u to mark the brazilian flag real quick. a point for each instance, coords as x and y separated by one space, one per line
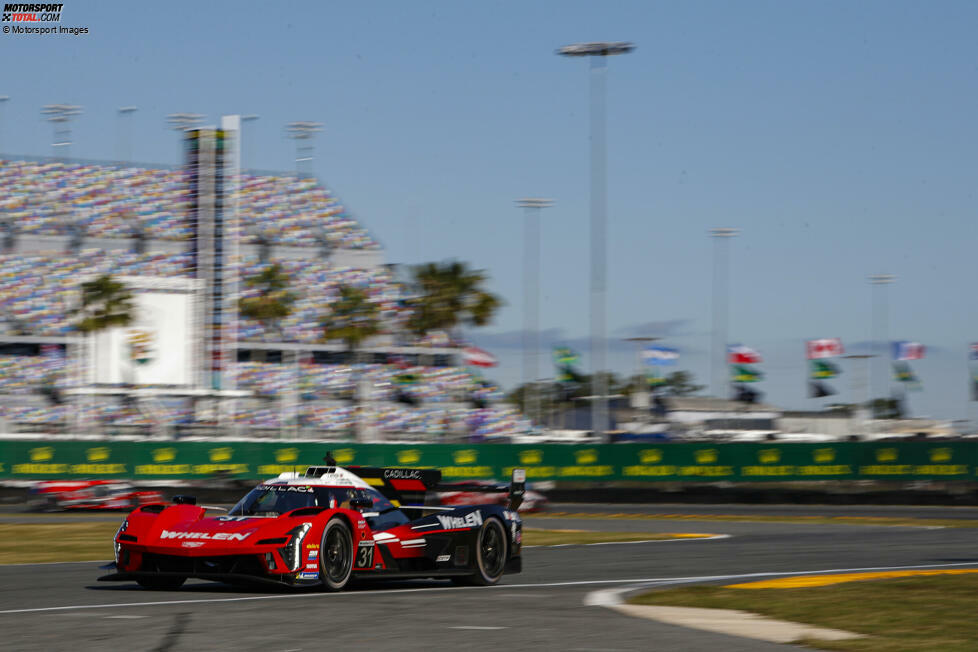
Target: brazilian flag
568 374
904 374
655 380
822 370
743 374
565 356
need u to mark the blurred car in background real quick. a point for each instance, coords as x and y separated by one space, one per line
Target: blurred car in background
57 495
533 501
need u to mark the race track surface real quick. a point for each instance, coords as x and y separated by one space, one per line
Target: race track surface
61 606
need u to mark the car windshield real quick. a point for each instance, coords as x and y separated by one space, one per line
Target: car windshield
272 500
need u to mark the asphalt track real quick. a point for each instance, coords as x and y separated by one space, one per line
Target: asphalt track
61 606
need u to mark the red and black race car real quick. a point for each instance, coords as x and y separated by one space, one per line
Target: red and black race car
323 527
55 495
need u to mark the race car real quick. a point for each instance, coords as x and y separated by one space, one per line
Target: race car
476 492
54 495
324 527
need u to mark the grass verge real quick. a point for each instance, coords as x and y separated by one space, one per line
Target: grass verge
896 615
837 520
24 543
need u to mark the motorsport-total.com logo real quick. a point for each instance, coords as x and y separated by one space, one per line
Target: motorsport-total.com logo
32 13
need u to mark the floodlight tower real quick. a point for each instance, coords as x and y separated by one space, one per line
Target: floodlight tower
531 298
181 122
3 102
60 116
241 139
598 53
880 315
125 132
721 290
302 132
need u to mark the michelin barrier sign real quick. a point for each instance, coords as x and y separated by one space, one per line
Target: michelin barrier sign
553 462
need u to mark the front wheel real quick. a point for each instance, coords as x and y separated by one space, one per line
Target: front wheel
162 583
336 555
490 553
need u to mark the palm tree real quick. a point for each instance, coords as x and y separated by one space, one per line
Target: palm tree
274 301
105 303
352 319
447 295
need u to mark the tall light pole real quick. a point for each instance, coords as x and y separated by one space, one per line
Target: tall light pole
181 122
878 283
125 132
598 52
531 299
60 116
3 102
302 132
721 289
241 139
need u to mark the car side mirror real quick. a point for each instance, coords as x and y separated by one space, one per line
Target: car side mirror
361 504
517 489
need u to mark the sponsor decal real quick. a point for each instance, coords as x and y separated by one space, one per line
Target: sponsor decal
284 487
192 544
222 454
468 456
443 557
402 474
312 546
313 554
472 519
210 536
308 576
312 566
411 456
365 554
285 455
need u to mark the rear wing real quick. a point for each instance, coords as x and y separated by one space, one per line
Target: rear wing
399 485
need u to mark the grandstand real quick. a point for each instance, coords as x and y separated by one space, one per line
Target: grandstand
64 221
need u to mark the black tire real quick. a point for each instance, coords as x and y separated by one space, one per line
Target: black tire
161 583
336 555
490 553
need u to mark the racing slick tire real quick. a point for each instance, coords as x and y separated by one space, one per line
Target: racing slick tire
490 554
163 583
336 555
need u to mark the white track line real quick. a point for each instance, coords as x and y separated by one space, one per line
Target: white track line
650 581
623 543
611 597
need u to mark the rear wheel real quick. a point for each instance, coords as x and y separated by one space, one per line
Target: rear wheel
336 555
490 553
162 583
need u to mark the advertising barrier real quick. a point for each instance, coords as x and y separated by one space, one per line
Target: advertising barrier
687 462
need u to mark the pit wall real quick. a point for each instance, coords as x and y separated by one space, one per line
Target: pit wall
701 462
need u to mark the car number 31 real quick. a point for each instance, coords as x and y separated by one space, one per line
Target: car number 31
365 556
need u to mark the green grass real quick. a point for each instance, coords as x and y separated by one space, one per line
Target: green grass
896 615
24 543
837 520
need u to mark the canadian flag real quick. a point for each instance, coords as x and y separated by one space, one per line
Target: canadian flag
830 347
477 357
740 354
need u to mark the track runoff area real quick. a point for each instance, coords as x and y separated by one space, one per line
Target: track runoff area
567 597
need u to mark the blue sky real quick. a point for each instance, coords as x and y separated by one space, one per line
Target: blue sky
839 136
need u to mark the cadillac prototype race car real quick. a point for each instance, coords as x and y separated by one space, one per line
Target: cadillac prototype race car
324 527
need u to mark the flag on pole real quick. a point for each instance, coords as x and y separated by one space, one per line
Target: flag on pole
904 374
822 370
903 350
973 352
740 354
830 347
819 390
476 357
744 374
660 355
564 355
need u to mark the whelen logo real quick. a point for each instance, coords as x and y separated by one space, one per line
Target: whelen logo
32 13
219 536
472 519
